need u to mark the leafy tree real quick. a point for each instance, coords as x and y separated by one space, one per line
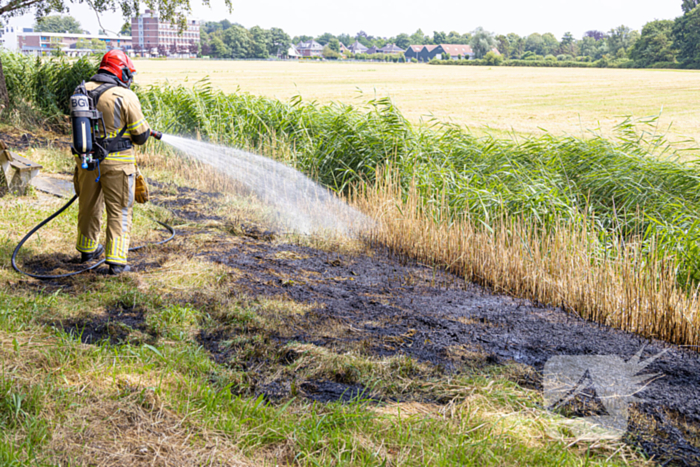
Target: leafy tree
517 45
550 43
689 5
126 29
655 44
297 39
57 23
346 39
363 39
439 37
92 44
334 45
621 37
686 34
568 45
168 10
456 38
261 42
418 38
279 41
535 44
595 35
503 45
325 38
329 53
239 42
402 41
218 48
592 48
482 42
210 26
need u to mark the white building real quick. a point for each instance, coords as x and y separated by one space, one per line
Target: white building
8 38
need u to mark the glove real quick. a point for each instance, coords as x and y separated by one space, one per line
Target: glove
141 189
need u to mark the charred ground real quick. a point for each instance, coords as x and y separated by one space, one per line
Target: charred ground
372 303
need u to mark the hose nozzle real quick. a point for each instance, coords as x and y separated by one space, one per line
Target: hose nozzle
157 134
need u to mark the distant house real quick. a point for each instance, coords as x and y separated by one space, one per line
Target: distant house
412 51
372 50
309 49
426 53
443 52
343 49
391 49
358 48
293 52
453 52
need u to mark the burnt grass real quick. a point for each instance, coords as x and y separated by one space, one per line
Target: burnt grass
385 306
119 324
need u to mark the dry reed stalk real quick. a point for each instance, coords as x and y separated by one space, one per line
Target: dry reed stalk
558 268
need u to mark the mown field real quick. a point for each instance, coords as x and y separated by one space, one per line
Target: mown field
559 100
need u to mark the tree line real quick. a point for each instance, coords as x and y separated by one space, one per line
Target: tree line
660 43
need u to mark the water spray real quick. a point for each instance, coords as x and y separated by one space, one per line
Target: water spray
305 206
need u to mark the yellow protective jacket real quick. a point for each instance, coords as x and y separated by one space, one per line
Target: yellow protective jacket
121 107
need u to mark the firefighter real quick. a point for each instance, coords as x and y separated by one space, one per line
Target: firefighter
113 186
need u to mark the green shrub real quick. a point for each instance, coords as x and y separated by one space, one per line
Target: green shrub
551 58
493 58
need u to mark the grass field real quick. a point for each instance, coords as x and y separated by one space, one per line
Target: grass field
560 100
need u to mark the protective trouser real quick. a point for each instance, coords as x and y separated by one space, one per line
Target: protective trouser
115 190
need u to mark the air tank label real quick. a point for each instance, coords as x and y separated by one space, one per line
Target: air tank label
79 102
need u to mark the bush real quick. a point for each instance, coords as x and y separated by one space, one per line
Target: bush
667 65
551 58
493 58
565 58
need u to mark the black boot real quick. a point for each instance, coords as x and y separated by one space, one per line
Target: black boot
116 269
85 257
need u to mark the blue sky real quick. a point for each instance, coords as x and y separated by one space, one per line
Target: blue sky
389 17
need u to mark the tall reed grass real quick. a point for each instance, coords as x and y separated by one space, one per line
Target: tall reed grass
632 189
40 88
605 228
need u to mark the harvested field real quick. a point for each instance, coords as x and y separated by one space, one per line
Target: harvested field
499 99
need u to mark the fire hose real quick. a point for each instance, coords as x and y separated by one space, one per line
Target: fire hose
89 268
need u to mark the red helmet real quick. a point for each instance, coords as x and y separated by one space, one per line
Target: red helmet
120 65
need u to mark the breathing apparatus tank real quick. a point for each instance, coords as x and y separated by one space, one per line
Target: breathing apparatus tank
82 125
88 138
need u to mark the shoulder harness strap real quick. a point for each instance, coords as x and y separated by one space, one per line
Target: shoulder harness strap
95 94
